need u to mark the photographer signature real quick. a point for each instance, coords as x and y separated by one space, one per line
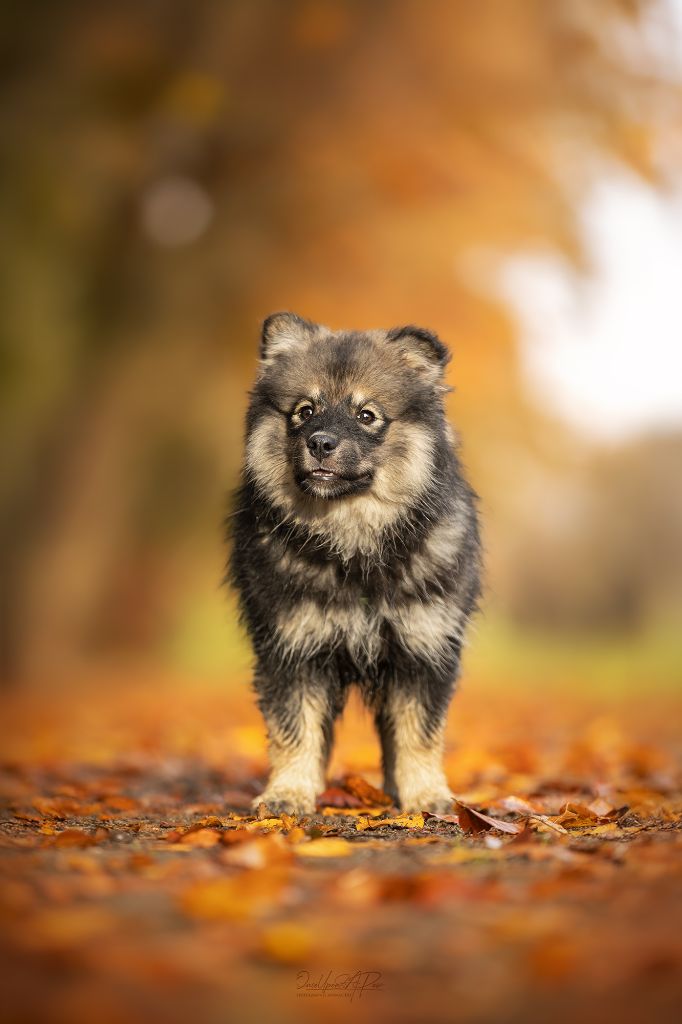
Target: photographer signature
345 985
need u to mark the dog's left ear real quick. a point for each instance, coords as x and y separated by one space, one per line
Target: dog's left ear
422 351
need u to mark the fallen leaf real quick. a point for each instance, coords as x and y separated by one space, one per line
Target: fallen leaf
602 808
121 803
296 835
184 835
471 820
400 821
548 823
517 805
56 807
77 837
201 838
575 815
258 851
337 797
365 792
608 830
233 836
264 825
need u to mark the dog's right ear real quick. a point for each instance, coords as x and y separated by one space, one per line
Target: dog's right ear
284 332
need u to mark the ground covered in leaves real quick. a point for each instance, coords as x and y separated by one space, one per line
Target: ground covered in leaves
137 885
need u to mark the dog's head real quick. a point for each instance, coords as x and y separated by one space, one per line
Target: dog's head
337 414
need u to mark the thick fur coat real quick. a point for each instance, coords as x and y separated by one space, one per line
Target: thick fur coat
355 552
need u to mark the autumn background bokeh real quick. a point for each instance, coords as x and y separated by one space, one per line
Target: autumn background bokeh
174 172
507 173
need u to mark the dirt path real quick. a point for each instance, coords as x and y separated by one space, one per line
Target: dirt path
137 886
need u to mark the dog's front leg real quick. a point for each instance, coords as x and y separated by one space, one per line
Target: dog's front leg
299 734
412 740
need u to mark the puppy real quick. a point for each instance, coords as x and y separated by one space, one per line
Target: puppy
355 552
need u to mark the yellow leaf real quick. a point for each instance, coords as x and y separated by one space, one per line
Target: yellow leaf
610 829
546 824
264 825
401 821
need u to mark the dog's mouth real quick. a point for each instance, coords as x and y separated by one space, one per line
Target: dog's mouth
322 473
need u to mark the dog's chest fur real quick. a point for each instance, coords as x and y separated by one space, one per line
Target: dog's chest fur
402 596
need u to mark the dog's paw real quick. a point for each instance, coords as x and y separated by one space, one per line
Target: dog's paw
286 801
435 803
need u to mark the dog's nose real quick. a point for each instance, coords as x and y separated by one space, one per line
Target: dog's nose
321 444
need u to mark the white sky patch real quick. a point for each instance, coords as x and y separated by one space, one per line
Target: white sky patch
605 351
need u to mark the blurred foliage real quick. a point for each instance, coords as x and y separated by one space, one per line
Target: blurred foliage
173 172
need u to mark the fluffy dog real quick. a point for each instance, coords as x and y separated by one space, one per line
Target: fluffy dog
355 553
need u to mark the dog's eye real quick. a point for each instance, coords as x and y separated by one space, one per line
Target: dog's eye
305 412
366 416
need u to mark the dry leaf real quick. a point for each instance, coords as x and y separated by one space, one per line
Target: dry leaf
471 820
400 821
77 837
337 797
365 792
201 837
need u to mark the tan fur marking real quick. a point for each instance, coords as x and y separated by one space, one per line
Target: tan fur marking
418 771
424 628
324 575
407 464
440 551
266 463
445 538
297 768
309 627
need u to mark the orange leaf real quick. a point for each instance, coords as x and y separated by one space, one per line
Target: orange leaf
400 821
77 837
365 792
337 797
202 838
